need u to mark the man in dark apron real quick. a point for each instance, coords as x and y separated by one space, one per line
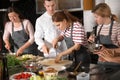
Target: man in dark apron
20 38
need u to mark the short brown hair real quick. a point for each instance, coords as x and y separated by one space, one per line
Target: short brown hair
47 0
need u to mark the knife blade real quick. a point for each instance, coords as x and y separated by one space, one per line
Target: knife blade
55 51
10 52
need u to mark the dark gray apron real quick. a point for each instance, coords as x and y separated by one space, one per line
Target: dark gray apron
80 55
106 40
20 38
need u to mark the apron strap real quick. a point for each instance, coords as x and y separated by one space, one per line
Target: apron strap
13 27
98 35
13 31
110 30
71 30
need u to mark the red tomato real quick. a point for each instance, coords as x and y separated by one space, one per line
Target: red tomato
22 76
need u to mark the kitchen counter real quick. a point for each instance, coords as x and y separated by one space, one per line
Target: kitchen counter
97 72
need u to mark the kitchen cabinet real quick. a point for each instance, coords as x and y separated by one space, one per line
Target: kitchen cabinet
88 5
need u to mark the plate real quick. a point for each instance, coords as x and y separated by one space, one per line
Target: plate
29 57
12 53
58 68
51 62
12 77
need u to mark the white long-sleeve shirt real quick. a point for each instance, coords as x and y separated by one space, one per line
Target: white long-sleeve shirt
45 28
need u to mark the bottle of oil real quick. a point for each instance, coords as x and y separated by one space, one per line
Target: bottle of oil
1 67
5 74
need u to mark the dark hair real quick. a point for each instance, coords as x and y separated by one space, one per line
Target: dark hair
103 10
13 9
64 14
47 0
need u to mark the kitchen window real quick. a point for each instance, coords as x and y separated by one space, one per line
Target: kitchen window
70 5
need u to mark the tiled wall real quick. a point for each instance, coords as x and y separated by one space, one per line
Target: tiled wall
115 6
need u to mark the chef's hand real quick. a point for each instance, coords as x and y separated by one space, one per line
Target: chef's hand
7 46
58 58
54 43
98 51
106 56
45 49
19 51
91 38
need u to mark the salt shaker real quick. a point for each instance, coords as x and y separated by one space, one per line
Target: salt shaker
83 76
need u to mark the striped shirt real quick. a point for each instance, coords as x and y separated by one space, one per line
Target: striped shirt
78 33
115 37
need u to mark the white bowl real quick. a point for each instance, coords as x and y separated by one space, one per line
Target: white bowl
12 77
50 74
56 67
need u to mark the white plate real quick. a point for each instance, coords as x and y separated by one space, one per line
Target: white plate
58 68
51 62
12 77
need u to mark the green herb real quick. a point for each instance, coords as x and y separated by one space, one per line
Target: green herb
12 61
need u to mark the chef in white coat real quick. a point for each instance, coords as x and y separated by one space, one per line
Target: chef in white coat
45 31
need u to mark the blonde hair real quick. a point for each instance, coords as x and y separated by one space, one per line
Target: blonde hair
104 10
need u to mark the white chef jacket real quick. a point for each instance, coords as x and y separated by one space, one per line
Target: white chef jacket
44 28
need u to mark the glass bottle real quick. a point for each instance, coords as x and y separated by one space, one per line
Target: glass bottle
1 67
5 74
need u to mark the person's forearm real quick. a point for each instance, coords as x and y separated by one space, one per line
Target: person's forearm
7 44
68 51
91 38
112 59
39 34
6 41
26 45
117 50
40 43
116 59
71 50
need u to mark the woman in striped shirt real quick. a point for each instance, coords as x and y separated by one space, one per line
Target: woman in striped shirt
107 33
74 34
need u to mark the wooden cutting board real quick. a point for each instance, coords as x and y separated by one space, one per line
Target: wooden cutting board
51 62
